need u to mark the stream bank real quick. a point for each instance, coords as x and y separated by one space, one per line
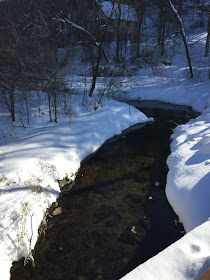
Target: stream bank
116 215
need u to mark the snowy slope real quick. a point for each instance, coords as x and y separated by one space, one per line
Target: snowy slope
188 180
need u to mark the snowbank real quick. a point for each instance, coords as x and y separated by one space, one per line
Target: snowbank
186 259
185 92
31 164
188 179
188 192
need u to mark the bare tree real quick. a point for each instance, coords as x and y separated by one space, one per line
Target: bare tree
20 52
28 53
98 39
139 7
8 85
183 37
161 27
118 13
207 39
13 63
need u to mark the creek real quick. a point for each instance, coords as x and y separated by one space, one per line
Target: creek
116 215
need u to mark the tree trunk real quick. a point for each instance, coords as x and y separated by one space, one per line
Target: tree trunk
180 6
55 99
49 104
55 107
160 26
140 19
105 55
184 38
208 39
118 41
118 30
96 70
12 103
27 110
161 31
163 37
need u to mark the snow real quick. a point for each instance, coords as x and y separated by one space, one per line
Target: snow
33 159
188 192
189 172
188 258
188 179
178 92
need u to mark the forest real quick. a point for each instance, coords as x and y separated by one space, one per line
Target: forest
38 39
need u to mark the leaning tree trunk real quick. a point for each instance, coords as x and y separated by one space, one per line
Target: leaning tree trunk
183 37
208 39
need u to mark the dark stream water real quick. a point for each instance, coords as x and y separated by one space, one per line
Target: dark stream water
116 216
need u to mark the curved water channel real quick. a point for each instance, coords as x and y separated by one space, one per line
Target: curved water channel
116 215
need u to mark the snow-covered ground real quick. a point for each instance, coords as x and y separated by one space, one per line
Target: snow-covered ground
188 180
33 159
